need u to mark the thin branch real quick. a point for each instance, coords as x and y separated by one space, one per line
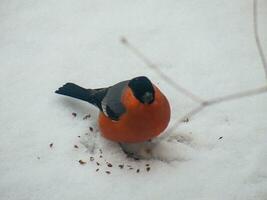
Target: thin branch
218 100
236 96
166 78
256 36
239 95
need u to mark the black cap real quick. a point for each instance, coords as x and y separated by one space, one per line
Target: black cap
142 89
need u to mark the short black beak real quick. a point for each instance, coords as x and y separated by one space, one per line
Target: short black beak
148 98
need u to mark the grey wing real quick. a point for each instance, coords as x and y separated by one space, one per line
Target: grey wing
111 104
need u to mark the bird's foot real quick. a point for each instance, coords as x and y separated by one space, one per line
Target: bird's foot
138 151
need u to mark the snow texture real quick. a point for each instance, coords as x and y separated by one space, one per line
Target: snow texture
206 46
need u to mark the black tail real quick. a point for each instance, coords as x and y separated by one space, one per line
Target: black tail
75 91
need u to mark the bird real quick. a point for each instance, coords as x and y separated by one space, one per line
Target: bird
131 111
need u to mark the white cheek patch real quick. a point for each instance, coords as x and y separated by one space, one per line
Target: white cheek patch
104 108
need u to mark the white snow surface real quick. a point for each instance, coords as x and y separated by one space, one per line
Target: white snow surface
206 46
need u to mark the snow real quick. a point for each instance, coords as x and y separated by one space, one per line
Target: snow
206 46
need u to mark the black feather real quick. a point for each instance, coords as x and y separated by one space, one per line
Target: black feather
75 91
93 96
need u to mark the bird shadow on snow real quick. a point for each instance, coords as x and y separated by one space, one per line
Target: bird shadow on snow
167 149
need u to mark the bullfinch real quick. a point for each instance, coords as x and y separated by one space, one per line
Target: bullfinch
131 111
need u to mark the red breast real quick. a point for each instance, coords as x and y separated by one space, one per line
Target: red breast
140 122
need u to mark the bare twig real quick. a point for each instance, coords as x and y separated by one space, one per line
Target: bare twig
203 103
239 95
218 100
256 35
234 96
165 77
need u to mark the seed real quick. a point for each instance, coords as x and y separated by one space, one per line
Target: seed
186 120
82 162
86 117
92 158
148 168
75 146
74 114
108 172
123 40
